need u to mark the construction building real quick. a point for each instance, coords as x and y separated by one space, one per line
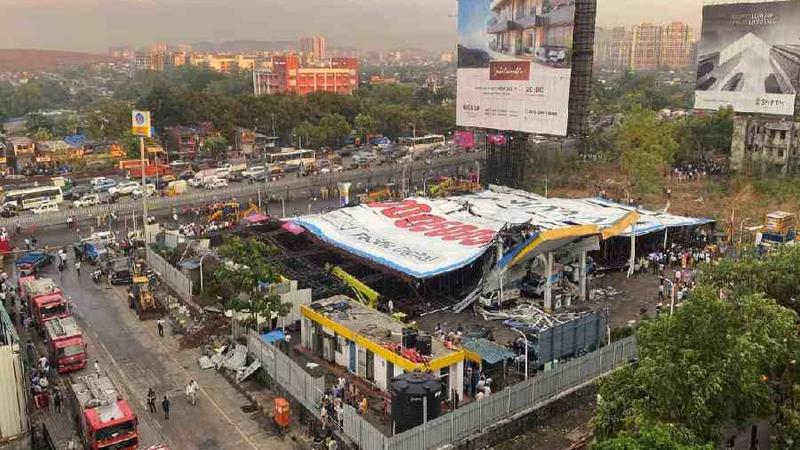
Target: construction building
765 144
646 47
314 48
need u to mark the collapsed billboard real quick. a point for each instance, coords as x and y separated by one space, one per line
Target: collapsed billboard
514 64
416 236
749 56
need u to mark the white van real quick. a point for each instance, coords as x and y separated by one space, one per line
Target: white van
46 207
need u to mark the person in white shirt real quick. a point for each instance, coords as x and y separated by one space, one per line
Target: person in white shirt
191 391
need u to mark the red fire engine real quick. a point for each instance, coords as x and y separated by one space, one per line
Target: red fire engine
107 420
65 346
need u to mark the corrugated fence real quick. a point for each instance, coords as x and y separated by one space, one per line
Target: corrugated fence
472 419
174 278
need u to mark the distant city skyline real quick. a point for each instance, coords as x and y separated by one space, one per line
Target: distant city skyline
95 25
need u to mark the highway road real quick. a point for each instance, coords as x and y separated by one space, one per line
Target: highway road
288 189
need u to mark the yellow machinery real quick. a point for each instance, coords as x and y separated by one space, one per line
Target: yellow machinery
143 301
453 186
363 293
252 209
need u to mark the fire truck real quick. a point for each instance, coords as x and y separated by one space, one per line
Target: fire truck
45 300
65 346
106 420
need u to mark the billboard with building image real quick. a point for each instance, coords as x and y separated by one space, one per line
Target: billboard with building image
749 56
514 64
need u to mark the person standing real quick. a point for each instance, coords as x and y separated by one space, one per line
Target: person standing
57 399
78 267
151 400
191 391
160 325
97 367
165 406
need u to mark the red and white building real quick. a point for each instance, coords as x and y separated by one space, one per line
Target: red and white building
287 74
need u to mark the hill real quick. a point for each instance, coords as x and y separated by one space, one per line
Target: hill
30 60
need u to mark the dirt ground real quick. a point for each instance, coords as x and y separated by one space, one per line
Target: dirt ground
560 433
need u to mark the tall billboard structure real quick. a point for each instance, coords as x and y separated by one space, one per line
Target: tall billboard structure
749 56
515 64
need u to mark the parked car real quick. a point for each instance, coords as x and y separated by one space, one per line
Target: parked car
186 174
149 190
104 184
253 171
124 188
46 207
217 183
8 210
77 192
364 157
259 178
31 262
87 200
236 177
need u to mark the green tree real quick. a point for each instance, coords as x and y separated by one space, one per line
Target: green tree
647 147
701 136
654 437
365 124
108 119
216 147
333 128
242 274
714 363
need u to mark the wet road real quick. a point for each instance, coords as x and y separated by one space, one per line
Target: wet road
137 359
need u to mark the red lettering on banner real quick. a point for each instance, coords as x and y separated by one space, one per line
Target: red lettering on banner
415 217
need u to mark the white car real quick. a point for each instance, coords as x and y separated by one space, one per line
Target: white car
364 157
46 207
125 188
87 200
253 171
217 183
331 169
149 190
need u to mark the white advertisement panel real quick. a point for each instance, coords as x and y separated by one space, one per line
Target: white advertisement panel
419 237
749 57
514 64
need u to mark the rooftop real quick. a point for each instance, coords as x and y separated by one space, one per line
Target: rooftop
375 327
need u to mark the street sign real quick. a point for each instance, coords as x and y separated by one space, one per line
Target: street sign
140 123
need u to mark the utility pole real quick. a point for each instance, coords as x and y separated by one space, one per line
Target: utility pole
144 191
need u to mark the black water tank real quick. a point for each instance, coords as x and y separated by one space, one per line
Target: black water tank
409 392
410 337
424 344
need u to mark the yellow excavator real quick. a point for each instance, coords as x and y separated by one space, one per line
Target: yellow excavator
363 293
142 299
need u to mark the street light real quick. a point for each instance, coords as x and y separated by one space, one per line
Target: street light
526 350
671 295
201 270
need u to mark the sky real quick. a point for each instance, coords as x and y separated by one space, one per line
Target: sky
95 25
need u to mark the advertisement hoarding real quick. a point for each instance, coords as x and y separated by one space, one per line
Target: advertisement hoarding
514 64
140 123
749 57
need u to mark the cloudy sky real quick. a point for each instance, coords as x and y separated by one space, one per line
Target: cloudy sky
94 25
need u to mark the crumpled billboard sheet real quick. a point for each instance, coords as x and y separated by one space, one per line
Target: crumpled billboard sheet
425 237
417 236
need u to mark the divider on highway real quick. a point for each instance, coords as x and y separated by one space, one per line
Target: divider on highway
240 191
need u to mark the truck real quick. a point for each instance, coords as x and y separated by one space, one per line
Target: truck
152 170
45 300
65 345
105 418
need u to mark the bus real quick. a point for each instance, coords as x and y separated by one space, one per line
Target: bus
292 156
32 197
423 143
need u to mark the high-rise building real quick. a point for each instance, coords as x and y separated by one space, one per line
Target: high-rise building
677 46
157 62
612 48
646 46
314 48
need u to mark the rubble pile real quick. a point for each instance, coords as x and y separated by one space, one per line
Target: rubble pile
210 331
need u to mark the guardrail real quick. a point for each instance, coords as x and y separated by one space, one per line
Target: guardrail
282 188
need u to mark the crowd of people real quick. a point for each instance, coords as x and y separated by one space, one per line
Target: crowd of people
696 171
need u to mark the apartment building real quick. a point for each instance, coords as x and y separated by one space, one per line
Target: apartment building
314 48
766 144
612 48
522 28
646 47
678 46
